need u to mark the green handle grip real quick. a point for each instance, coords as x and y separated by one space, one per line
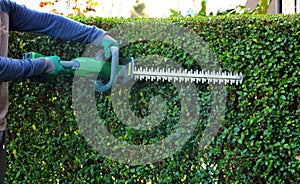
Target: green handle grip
89 66
84 66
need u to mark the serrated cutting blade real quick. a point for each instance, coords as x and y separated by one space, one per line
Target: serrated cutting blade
173 75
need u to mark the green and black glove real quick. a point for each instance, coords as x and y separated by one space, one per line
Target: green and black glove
106 42
52 66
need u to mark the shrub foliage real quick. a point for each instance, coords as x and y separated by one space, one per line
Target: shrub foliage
258 139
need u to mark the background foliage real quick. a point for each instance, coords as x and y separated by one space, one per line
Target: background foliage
258 140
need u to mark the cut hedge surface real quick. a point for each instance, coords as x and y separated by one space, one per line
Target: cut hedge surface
257 141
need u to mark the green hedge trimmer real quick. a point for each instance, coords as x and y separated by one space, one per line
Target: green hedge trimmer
108 71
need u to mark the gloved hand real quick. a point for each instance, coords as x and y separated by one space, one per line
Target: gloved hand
52 66
106 42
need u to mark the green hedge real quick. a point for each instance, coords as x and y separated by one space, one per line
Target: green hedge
256 143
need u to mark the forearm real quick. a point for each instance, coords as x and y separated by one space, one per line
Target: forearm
15 69
24 19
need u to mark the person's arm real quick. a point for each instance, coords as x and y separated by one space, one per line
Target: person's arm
15 69
24 19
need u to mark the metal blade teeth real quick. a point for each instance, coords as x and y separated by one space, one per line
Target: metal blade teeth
179 75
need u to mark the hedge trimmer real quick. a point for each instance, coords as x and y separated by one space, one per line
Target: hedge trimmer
87 67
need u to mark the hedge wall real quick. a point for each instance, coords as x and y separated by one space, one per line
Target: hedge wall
258 139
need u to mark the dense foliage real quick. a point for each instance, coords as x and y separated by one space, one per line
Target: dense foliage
259 135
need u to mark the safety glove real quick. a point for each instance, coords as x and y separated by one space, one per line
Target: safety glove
52 66
106 42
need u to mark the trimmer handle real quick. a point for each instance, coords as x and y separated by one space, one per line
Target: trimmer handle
88 67
102 87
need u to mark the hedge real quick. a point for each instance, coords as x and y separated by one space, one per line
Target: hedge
257 141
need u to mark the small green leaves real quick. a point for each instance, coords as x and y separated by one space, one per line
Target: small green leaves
259 138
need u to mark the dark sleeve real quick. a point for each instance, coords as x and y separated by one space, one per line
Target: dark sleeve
24 19
15 69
